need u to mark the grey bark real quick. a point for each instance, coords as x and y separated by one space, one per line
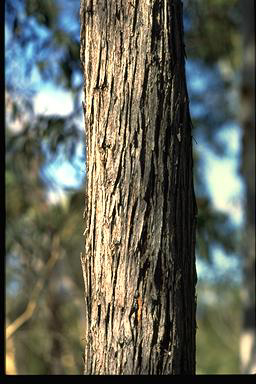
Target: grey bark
140 210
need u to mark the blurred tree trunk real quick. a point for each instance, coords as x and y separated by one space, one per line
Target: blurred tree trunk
140 210
247 118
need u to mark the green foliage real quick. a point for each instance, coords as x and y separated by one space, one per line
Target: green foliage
213 34
50 341
45 12
213 46
219 324
33 226
214 228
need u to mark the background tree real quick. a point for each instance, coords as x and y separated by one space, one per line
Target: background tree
247 118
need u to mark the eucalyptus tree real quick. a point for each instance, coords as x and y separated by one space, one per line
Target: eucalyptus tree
140 210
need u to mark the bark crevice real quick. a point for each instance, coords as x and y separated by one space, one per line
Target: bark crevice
138 262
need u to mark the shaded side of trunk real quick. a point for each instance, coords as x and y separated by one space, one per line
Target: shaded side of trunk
247 119
139 261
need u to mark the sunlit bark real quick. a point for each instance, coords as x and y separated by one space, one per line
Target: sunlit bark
139 261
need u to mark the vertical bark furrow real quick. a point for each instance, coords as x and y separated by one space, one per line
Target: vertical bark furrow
139 251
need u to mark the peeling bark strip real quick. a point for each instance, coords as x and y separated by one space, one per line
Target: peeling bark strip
139 259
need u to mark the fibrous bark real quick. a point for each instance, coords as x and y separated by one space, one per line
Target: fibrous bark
139 261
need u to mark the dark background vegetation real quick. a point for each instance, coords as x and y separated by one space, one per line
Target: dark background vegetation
44 285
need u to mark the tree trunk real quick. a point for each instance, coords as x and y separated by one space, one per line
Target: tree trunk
247 119
140 210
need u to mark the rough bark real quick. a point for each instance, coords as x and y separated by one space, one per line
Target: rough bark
247 119
139 258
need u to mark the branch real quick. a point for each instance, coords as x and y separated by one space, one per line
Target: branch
31 306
